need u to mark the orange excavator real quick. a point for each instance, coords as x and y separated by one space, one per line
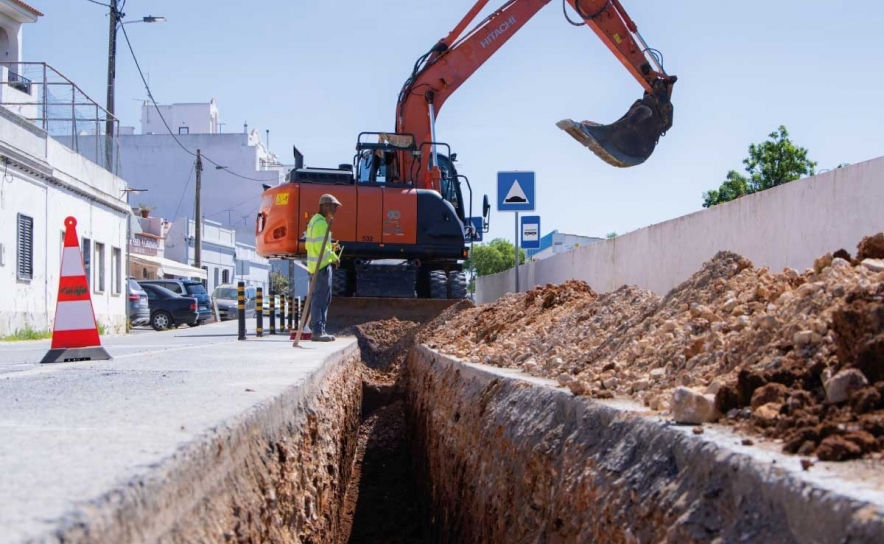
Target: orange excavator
404 225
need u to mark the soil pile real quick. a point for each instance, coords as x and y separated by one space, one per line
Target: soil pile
384 344
794 356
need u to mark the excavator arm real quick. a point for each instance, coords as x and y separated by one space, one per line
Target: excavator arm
451 61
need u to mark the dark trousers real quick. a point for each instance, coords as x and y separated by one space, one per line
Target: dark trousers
322 297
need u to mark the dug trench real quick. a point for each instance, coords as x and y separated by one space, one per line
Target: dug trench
454 452
491 425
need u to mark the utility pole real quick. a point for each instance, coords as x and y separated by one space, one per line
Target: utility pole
198 215
111 76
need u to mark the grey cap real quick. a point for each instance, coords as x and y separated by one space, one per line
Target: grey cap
328 199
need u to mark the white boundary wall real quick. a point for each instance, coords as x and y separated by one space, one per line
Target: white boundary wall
787 226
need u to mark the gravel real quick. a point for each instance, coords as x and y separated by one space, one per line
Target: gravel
765 345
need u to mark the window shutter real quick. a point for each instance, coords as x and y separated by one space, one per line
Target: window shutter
25 247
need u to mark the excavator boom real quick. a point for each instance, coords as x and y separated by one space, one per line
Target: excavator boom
406 221
627 142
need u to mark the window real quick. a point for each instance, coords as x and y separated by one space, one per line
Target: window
206 281
24 251
87 259
116 270
99 271
225 276
183 130
174 287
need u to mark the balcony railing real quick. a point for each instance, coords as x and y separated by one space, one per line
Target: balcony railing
20 83
64 111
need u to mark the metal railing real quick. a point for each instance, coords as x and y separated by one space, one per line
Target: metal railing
51 101
20 83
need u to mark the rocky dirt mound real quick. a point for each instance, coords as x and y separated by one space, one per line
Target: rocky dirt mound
794 356
384 344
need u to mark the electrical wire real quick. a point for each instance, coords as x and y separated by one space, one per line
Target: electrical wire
184 191
235 206
99 3
160 113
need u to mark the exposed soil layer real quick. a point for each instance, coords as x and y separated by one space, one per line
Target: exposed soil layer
383 500
381 505
792 356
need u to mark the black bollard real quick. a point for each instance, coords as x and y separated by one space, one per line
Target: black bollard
291 312
241 309
272 313
259 312
282 313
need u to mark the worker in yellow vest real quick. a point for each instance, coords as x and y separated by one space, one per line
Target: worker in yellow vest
322 292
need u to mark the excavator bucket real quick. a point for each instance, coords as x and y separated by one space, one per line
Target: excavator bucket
630 140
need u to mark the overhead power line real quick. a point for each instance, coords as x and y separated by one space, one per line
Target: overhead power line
160 113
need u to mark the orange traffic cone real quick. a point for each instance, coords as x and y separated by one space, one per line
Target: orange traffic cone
74 331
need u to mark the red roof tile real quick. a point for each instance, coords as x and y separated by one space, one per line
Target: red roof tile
27 7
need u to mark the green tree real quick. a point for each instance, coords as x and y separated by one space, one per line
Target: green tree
279 283
734 186
611 235
771 163
496 256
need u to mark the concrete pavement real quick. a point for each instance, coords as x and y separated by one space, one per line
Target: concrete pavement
71 433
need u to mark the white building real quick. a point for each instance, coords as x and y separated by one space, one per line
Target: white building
147 249
223 259
16 91
183 119
42 182
153 160
559 242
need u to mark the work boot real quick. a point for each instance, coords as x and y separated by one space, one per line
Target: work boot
323 338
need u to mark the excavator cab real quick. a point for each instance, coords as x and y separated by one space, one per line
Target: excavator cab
630 140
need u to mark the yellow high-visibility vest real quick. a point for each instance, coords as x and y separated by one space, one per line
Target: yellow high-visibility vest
316 230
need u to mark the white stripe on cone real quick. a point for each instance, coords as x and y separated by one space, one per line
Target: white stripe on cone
71 262
74 315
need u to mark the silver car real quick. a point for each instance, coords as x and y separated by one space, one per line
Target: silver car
137 307
224 298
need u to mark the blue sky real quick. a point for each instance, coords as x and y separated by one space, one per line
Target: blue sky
316 73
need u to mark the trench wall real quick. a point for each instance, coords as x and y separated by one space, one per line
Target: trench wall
787 226
504 460
276 474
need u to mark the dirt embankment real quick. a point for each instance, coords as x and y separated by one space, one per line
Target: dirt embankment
794 356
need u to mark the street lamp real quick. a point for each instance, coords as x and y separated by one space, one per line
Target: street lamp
148 19
116 17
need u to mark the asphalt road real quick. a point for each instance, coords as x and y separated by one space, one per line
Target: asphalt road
73 433
22 356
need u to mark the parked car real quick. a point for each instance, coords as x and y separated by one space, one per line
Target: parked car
224 297
168 309
137 307
188 288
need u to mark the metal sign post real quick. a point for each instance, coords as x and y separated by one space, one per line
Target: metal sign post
515 193
516 245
